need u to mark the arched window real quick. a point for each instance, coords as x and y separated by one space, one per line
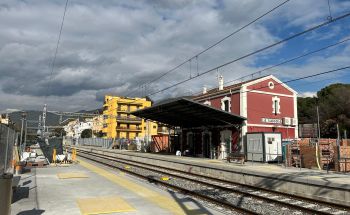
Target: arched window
276 105
226 104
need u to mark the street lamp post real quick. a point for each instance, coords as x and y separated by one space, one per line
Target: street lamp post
24 115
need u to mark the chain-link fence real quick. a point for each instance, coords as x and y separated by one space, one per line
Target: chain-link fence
7 141
48 145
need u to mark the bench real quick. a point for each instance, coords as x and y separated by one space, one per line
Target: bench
236 156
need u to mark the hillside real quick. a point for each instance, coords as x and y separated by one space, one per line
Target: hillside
51 119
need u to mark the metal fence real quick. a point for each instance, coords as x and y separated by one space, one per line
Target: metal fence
7 141
96 142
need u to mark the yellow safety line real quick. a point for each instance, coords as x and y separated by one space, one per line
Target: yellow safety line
158 199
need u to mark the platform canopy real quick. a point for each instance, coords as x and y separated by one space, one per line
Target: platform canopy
186 113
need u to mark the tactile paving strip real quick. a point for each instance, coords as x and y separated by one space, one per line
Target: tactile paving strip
68 175
103 205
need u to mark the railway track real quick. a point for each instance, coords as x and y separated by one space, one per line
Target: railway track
233 196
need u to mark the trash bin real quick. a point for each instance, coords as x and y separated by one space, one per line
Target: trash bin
6 193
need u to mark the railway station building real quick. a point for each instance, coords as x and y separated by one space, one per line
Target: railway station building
218 121
268 104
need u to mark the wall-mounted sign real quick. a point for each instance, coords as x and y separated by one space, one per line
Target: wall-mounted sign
271 121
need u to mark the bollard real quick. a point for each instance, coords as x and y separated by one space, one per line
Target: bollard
6 193
18 170
54 156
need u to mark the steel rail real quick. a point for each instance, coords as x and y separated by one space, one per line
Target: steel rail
330 204
226 204
206 183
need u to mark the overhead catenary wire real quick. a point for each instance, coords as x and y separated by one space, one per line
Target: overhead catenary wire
56 51
290 60
301 78
215 44
329 10
286 61
256 52
297 79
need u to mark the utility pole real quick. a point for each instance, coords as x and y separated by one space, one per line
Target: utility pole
338 135
147 132
25 136
338 144
39 127
44 118
318 123
318 137
24 114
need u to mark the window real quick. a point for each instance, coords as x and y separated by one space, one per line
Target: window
154 126
271 85
226 104
276 105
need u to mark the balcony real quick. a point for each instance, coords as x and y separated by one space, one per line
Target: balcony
123 128
126 110
134 103
129 119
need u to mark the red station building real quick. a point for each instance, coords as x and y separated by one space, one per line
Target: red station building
250 118
268 104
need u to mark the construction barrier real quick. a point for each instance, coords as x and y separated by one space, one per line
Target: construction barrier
323 154
74 155
5 193
7 141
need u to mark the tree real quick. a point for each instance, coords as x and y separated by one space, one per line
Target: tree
87 133
58 132
98 134
334 108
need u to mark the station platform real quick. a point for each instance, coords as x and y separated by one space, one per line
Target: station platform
90 188
331 187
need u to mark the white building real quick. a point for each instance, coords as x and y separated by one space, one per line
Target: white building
76 127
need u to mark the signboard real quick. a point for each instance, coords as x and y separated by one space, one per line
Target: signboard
271 121
307 130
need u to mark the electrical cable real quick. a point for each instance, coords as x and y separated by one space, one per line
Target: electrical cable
257 51
301 78
292 59
330 12
286 61
56 50
217 43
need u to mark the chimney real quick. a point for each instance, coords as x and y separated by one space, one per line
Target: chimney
204 90
221 82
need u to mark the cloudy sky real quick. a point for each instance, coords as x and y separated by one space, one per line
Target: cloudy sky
114 47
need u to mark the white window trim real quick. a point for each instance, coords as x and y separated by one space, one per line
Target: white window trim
275 98
226 98
207 102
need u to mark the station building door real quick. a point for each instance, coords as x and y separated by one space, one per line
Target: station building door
206 144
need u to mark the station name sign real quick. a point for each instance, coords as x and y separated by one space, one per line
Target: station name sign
271 121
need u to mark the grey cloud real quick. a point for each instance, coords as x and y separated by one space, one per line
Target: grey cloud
116 46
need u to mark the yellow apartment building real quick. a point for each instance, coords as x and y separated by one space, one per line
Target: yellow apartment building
119 123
